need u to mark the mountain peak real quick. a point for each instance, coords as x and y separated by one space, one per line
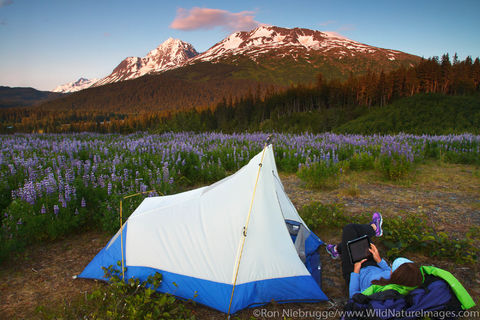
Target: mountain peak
173 46
170 54
173 40
265 43
80 84
265 39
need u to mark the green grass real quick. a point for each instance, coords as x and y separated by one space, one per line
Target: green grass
424 113
402 234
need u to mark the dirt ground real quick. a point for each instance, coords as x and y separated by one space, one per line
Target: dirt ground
448 194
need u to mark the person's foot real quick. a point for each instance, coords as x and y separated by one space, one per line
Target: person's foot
377 221
332 251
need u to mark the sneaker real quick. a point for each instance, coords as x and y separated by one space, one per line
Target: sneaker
332 251
377 221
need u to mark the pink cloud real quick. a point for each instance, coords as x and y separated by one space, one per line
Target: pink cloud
4 3
326 23
204 18
346 27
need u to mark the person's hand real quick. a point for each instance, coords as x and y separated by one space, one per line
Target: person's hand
358 265
375 254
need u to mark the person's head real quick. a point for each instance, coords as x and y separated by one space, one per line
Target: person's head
404 272
398 262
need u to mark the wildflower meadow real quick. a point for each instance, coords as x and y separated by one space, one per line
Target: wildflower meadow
56 184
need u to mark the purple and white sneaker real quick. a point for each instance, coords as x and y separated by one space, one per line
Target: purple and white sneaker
377 220
332 251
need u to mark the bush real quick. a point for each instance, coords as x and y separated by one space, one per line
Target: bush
318 216
24 224
322 174
395 166
413 234
362 161
133 299
400 234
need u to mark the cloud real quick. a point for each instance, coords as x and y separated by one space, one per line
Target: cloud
4 3
326 23
205 18
346 27
3 22
107 34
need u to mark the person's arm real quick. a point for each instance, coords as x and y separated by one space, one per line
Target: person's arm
376 256
384 265
354 286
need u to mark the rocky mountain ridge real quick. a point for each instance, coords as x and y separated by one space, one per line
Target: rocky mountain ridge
267 47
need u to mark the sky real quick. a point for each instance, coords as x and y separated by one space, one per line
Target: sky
46 43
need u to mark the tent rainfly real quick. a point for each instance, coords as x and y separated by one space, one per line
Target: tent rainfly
235 244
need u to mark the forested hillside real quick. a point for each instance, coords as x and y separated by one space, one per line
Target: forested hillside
328 105
425 113
15 97
331 104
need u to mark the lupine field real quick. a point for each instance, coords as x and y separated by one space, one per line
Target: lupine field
53 185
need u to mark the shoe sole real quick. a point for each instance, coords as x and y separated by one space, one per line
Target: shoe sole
381 229
333 257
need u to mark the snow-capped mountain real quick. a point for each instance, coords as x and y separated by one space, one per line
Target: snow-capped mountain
74 86
286 55
171 54
289 42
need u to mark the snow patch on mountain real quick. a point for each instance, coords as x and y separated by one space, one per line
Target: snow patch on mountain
333 34
75 86
264 39
171 54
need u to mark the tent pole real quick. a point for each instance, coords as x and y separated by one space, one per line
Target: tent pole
121 239
121 225
245 228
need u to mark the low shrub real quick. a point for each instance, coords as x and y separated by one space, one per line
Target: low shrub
362 161
394 167
412 234
320 175
319 216
133 299
24 224
401 235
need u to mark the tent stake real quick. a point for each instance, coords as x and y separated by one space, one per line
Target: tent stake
245 228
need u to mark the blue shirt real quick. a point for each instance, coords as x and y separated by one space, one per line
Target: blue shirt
363 280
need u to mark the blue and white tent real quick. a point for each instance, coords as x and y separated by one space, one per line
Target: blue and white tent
235 244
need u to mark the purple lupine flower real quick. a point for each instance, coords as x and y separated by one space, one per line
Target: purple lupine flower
43 210
67 193
76 212
83 203
12 169
109 188
62 200
101 182
166 173
56 209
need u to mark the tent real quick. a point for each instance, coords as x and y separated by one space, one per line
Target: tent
235 244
